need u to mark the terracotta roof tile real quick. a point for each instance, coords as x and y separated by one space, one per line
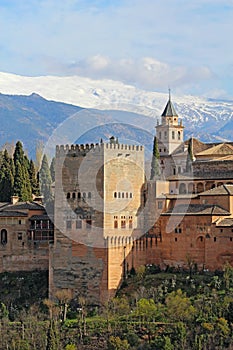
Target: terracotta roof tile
196 209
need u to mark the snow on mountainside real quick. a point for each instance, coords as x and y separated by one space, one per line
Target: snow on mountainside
207 119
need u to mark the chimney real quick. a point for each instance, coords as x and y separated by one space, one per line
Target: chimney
14 199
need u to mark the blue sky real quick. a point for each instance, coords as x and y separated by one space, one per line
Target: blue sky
151 44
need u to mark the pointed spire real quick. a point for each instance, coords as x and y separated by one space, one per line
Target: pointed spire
169 110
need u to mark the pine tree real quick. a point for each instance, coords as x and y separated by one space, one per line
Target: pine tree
6 178
45 180
22 185
155 171
33 179
52 169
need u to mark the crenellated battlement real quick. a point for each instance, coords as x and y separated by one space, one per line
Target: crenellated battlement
122 146
82 149
78 150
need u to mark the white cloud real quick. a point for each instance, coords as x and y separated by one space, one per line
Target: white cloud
150 43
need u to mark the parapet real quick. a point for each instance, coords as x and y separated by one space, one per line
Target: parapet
76 150
81 150
120 146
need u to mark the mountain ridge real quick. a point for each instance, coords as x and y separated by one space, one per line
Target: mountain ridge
39 104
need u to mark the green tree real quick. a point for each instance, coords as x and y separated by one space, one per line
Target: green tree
33 179
190 156
45 181
155 170
3 311
179 307
22 185
52 169
115 343
6 178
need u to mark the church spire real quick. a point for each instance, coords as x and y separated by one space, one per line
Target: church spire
169 110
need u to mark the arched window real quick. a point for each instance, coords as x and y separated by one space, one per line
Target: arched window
3 236
115 194
182 188
89 195
73 195
68 195
179 135
200 187
173 135
79 195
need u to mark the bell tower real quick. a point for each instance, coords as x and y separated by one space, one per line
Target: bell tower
170 131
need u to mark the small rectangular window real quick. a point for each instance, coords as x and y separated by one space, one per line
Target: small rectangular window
88 224
160 205
130 224
123 224
78 224
68 224
115 224
20 236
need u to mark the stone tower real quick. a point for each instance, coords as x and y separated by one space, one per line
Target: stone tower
169 135
170 132
98 215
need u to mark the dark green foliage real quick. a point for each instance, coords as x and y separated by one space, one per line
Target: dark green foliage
52 337
33 179
6 178
155 170
52 169
189 157
45 181
22 185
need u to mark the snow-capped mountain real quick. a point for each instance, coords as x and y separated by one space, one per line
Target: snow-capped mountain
207 119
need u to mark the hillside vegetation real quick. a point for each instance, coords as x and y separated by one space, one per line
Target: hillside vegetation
152 310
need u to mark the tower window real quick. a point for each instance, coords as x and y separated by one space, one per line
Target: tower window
173 135
130 223
88 224
165 134
68 224
20 236
115 195
178 135
123 224
78 224
3 237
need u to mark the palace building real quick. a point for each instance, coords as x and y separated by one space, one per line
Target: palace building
109 217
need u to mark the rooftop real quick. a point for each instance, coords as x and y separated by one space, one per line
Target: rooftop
197 209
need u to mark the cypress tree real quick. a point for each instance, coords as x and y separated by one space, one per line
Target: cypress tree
33 179
189 157
45 180
52 169
155 171
6 178
22 185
